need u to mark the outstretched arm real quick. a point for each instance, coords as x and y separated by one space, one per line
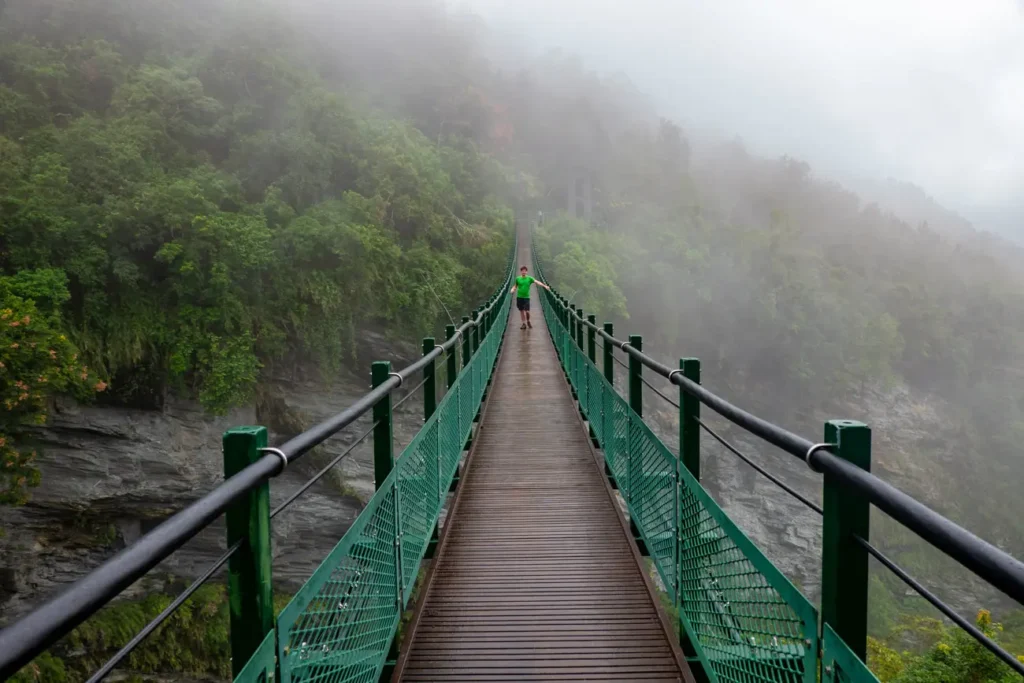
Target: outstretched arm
541 284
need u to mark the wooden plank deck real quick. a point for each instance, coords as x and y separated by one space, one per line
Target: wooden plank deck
536 579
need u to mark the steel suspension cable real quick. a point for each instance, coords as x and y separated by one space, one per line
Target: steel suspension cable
324 470
405 398
937 602
735 451
655 390
112 663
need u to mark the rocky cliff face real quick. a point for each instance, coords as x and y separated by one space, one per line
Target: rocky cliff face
111 474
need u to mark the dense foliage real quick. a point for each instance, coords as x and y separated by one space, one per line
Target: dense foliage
195 640
202 207
194 196
36 362
952 656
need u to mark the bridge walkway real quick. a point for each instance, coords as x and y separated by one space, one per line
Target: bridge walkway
536 577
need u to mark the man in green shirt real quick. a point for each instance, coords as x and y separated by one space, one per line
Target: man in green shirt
522 290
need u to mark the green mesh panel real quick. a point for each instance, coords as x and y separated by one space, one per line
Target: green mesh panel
651 493
839 664
338 627
261 666
341 621
747 622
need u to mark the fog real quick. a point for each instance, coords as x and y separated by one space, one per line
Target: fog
926 92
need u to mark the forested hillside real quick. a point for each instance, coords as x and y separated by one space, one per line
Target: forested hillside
187 200
197 195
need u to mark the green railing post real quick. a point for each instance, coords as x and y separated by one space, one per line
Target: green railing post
689 413
476 332
452 371
250 589
570 370
429 386
636 402
844 562
465 344
609 359
609 374
579 330
592 339
566 336
689 457
429 406
592 355
636 387
383 441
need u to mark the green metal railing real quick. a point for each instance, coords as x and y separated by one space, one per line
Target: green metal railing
341 624
741 620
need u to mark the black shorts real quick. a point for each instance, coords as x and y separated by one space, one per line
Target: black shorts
522 304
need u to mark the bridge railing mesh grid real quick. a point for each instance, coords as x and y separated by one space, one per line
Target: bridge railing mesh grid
746 621
339 626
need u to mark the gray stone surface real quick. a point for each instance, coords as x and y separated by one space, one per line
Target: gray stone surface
111 474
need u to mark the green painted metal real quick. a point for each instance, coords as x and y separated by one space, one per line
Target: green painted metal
452 370
338 627
636 387
609 376
466 351
844 562
250 588
747 623
429 382
689 413
383 434
262 666
475 334
592 339
609 358
838 662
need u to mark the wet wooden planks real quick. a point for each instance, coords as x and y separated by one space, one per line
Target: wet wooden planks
536 581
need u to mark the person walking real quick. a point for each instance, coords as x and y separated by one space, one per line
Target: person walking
522 290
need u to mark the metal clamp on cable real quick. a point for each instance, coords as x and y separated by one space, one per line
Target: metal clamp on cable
814 449
279 453
673 372
400 378
623 345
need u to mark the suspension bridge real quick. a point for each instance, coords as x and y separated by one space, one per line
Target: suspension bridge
536 529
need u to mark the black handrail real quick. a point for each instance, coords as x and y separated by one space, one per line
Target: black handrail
24 640
1000 569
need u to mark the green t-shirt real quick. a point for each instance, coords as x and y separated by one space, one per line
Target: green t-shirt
523 283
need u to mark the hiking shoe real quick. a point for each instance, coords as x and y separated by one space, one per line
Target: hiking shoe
529 324
523 326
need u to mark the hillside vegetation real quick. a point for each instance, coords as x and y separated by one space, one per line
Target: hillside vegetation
187 203
196 195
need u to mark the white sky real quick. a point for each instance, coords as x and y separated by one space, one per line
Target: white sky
929 91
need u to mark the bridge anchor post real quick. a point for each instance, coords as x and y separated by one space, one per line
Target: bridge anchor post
636 403
250 589
592 355
609 374
383 436
844 562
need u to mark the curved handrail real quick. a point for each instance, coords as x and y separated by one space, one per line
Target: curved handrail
28 637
